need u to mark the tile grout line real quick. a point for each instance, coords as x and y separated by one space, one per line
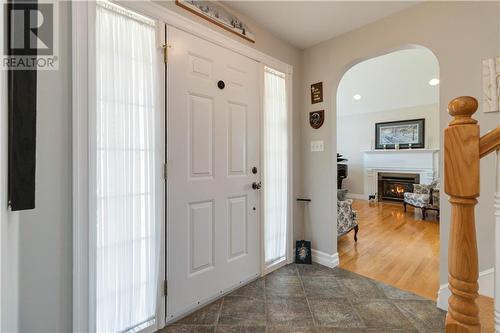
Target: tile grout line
403 313
219 313
349 300
357 312
307 299
385 298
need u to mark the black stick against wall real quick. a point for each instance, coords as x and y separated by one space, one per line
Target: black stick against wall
22 121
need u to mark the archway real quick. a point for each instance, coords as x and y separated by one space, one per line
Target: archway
388 130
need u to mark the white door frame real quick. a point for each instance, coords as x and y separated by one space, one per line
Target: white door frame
82 28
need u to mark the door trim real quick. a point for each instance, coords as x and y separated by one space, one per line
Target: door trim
80 72
81 29
82 25
178 21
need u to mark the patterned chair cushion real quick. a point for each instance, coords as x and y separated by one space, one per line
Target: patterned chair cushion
416 199
346 217
422 188
424 195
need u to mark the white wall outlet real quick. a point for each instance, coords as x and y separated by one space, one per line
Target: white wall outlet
317 145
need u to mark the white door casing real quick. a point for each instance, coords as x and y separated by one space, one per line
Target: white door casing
213 141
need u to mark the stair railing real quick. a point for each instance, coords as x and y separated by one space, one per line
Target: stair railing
463 148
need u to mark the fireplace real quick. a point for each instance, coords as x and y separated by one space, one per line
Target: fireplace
392 186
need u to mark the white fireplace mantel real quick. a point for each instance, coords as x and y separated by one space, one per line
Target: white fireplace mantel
420 161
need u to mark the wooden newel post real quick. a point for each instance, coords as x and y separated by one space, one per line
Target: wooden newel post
461 166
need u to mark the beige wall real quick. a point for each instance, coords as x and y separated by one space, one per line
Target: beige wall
461 35
45 233
356 133
9 224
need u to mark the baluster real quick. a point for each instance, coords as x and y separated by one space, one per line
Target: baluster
461 166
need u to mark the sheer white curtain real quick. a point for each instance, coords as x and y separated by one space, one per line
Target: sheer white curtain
127 170
275 166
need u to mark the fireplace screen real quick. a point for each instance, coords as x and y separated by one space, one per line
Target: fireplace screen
392 186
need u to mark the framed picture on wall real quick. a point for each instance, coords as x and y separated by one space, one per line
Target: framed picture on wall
404 134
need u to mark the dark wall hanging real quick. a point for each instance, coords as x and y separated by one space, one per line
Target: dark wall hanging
402 134
317 93
316 118
22 119
303 252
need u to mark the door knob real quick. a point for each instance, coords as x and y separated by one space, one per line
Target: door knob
256 185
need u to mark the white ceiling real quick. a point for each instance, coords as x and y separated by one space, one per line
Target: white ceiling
307 23
392 81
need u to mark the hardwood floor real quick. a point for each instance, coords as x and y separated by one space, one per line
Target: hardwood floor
394 247
400 249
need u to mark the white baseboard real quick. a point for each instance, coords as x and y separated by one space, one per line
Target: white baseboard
322 258
487 283
443 295
486 288
356 196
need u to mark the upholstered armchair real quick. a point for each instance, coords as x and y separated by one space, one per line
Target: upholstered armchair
425 197
346 218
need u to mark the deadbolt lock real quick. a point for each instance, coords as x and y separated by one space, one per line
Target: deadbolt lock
256 185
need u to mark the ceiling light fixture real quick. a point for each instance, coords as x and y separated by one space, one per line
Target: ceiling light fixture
357 97
434 82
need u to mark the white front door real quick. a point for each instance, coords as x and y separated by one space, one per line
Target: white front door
213 242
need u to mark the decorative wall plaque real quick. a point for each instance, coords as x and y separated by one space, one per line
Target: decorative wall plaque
491 84
317 93
317 118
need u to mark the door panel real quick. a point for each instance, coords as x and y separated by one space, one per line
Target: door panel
200 135
213 143
237 136
238 228
200 66
201 236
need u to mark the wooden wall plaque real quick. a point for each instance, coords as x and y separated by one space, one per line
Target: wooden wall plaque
316 118
317 93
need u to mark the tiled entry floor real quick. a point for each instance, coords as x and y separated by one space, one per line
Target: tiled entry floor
314 298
